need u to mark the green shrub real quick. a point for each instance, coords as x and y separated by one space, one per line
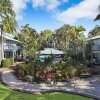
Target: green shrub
81 68
69 61
70 71
28 78
7 62
27 68
19 71
11 61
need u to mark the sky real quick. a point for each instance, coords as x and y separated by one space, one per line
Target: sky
52 14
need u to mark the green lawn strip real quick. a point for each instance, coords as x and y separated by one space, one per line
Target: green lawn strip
8 94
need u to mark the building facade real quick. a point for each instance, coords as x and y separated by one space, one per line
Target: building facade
95 49
11 48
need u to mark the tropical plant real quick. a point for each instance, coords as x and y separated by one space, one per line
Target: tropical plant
98 16
80 69
95 31
46 36
30 39
8 20
8 15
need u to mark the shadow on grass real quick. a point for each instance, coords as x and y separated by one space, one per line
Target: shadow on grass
8 94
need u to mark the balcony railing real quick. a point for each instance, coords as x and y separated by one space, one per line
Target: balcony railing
10 46
96 47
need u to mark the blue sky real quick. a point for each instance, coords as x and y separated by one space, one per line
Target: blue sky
52 14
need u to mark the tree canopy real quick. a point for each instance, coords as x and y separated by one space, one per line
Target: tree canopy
95 31
8 15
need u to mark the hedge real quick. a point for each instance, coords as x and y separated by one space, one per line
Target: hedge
7 62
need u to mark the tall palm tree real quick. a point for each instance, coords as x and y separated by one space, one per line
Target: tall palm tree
8 16
98 16
7 19
30 38
63 36
46 36
95 31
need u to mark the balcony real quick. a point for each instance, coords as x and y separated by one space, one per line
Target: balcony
96 47
8 46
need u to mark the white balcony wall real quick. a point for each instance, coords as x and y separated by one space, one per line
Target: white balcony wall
9 46
96 42
96 45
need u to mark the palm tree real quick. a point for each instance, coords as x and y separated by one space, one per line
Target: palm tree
30 38
7 18
63 36
95 31
46 36
98 16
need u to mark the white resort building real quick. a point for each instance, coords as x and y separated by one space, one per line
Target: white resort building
95 49
10 48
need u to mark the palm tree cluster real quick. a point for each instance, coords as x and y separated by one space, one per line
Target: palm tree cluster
67 38
8 15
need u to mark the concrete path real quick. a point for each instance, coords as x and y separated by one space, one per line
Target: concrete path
88 87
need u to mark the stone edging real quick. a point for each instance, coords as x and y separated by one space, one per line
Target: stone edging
50 91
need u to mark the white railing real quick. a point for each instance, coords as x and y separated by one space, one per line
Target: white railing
96 47
10 46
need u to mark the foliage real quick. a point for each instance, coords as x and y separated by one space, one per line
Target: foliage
95 31
28 78
98 16
46 37
46 74
62 71
30 39
27 68
68 34
81 68
7 15
19 71
88 53
7 62
70 71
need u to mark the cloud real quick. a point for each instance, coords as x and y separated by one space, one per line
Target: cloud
87 9
19 6
38 3
48 4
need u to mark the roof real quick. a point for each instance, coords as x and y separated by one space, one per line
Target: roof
12 39
9 37
94 38
51 51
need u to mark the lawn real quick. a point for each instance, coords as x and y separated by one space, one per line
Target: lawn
8 94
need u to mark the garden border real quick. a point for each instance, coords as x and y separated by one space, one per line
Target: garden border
50 91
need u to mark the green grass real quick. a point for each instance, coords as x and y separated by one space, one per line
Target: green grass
8 94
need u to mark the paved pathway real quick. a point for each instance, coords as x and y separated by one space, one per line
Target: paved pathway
89 87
